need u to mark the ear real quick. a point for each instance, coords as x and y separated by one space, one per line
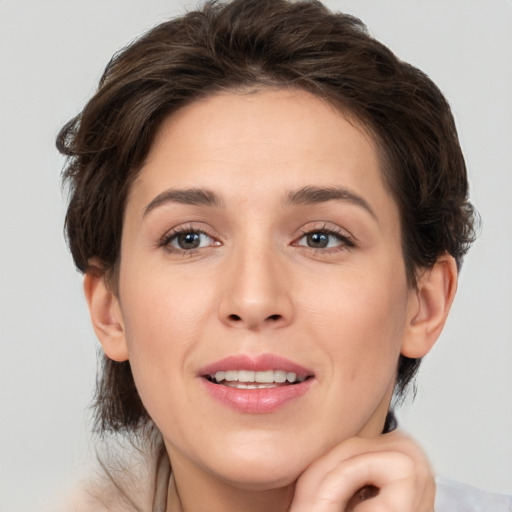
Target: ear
106 315
429 306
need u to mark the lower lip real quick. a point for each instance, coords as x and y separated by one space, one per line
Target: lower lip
256 401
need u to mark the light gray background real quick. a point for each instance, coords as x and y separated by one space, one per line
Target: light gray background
52 53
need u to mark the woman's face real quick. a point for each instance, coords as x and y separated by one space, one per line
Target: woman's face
261 244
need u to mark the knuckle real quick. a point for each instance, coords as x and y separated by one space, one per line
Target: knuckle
402 463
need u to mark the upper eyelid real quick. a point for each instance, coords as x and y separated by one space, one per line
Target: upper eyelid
186 228
328 228
305 229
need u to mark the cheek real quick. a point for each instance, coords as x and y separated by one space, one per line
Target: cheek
162 321
162 311
361 324
371 305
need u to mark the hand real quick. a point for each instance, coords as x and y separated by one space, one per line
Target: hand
388 473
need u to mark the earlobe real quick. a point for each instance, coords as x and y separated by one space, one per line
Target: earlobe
106 315
429 306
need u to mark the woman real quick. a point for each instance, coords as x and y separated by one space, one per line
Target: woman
270 211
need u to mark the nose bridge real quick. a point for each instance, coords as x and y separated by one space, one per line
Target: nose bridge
256 295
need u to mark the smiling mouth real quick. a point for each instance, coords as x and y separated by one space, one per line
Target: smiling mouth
248 379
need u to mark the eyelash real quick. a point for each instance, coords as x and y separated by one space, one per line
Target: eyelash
346 241
169 237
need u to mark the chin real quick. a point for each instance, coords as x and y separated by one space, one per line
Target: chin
262 478
260 469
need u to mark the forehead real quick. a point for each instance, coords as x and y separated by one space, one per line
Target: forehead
269 140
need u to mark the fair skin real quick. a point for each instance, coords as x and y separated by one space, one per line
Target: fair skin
259 226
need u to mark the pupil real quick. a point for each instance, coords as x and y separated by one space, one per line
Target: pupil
318 240
189 240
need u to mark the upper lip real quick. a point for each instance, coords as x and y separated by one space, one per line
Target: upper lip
258 363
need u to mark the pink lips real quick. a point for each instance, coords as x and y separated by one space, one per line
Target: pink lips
256 401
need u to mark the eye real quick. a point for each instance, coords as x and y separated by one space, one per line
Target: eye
324 239
187 240
320 240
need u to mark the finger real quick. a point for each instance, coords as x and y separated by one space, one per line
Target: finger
310 480
391 472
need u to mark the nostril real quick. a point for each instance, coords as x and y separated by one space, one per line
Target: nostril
234 318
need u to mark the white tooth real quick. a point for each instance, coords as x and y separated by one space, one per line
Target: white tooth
290 376
220 376
244 385
264 377
280 376
245 376
250 385
231 375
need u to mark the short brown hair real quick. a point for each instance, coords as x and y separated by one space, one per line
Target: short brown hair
259 43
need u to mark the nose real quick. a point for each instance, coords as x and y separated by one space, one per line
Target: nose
256 291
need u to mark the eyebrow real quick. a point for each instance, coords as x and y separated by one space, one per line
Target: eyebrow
193 196
313 195
303 196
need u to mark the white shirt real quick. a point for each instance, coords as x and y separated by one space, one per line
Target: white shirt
451 496
456 497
